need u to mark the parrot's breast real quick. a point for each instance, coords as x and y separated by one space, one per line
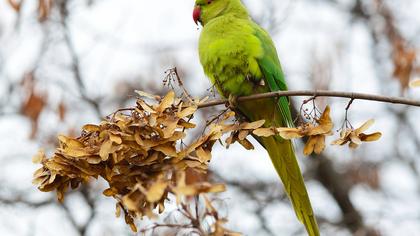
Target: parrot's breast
229 53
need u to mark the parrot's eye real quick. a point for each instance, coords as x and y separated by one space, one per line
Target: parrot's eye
209 1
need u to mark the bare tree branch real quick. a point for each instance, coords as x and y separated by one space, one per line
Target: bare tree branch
318 93
75 59
20 200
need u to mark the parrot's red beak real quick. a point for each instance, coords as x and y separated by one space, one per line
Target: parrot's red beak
197 14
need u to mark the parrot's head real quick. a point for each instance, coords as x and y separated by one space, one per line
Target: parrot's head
206 10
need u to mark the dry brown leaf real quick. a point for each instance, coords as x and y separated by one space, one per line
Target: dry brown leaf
264 132
194 176
106 149
243 134
203 155
216 188
129 203
166 102
314 144
146 107
186 125
34 106
170 126
291 133
355 137
32 109
110 192
187 111
370 137
253 125
325 124
91 128
155 193
168 150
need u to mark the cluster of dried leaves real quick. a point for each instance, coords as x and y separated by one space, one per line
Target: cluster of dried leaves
141 155
316 129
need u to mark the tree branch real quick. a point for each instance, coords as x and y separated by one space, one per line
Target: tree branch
75 59
20 200
319 93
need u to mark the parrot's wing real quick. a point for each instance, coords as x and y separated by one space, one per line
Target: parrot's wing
273 74
281 151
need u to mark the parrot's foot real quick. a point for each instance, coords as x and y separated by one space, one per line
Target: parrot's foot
232 102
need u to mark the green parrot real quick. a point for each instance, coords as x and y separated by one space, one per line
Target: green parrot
240 59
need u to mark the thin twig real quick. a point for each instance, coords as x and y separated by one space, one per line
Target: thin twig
76 67
319 93
20 200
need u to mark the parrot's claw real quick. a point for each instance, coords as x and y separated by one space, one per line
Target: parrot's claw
232 102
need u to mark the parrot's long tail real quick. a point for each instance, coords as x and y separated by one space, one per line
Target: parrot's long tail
283 156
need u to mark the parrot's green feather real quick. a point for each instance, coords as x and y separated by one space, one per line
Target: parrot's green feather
272 72
240 59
